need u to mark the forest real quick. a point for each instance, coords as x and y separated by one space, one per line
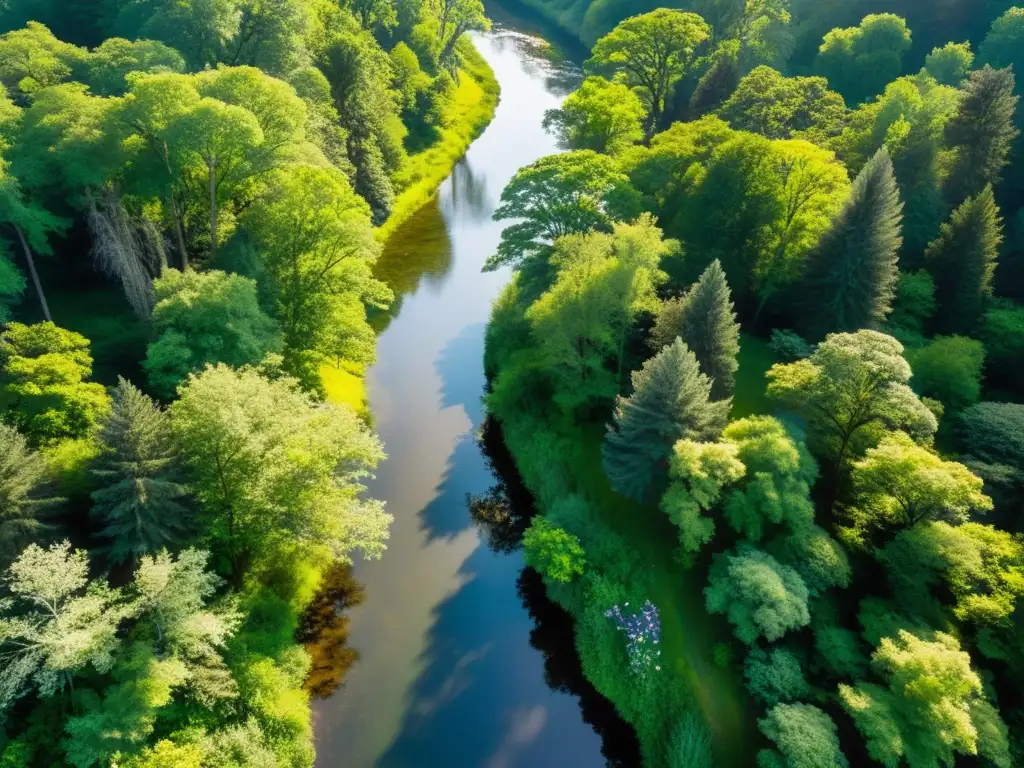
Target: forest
194 193
759 365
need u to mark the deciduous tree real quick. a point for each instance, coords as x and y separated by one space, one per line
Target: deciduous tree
804 736
601 115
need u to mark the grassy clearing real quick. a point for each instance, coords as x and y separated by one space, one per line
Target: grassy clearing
476 98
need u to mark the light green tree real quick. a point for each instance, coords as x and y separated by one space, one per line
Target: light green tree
1002 45
859 61
601 115
781 107
804 737
775 676
32 59
23 493
555 553
140 500
950 64
948 369
651 53
108 66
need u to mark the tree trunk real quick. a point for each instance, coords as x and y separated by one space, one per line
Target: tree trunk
211 164
179 233
35 275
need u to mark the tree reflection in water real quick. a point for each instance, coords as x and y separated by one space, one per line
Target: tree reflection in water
323 629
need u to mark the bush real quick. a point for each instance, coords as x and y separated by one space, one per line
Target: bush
557 555
691 744
775 676
949 370
790 346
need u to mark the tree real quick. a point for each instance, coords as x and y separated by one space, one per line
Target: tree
962 261
1001 47
571 193
948 369
719 81
851 276
761 597
272 36
763 31
555 553
820 560
42 382
651 53
981 133
55 624
706 322
273 468
204 318
775 676
32 59
200 29
852 391
601 115
925 711
23 481
1003 333
859 61
994 433
950 64
899 484
140 499
780 107
671 401
804 736
317 247
914 305
109 65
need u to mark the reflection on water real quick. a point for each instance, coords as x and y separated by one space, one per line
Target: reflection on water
447 675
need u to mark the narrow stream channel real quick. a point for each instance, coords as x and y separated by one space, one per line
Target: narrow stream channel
447 675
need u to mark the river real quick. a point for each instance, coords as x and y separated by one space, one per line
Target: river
449 671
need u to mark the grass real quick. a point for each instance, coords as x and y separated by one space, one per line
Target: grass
756 357
344 387
472 109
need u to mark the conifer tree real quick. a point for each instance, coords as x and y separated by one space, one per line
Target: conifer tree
852 275
962 260
981 132
706 321
140 503
22 478
671 401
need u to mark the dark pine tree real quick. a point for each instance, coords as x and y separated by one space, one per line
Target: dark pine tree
671 401
851 277
22 494
962 261
982 133
140 503
718 83
705 319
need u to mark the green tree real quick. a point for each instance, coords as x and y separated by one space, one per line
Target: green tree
651 53
32 59
924 713
43 389
571 193
780 107
981 133
914 305
56 623
851 276
23 493
859 61
108 66
671 401
706 322
950 64
272 468
761 597
719 81
948 369
1002 45
775 676
1003 333
852 391
140 499
899 484
962 261
272 35
12 286
820 560
994 433
199 29
804 736
203 318
553 552
601 115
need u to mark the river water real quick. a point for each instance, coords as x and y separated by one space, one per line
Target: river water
447 675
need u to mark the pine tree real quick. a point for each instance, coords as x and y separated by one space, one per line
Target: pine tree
140 503
22 482
851 277
671 401
962 261
706 321
982 132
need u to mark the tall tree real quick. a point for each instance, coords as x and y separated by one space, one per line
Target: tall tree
671 401
981 132
23 496
962 260
1003 46
600 115
140 501
852 275
651 52
706 321
859 61
950 64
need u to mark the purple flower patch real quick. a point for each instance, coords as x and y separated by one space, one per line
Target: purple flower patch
643 633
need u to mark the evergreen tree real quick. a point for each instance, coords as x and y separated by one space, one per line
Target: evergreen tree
981 132
22 477
852 275
140 502
671 401
706 321
962 261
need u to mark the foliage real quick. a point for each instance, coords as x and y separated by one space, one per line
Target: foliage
43 387
601 115
1003 333
950 64
790 346
775 676
691 744
805 736
555 553
139 501
204 318
948 369
914 304
859 61
643 632
1002 45
671 401
23 493
761 597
